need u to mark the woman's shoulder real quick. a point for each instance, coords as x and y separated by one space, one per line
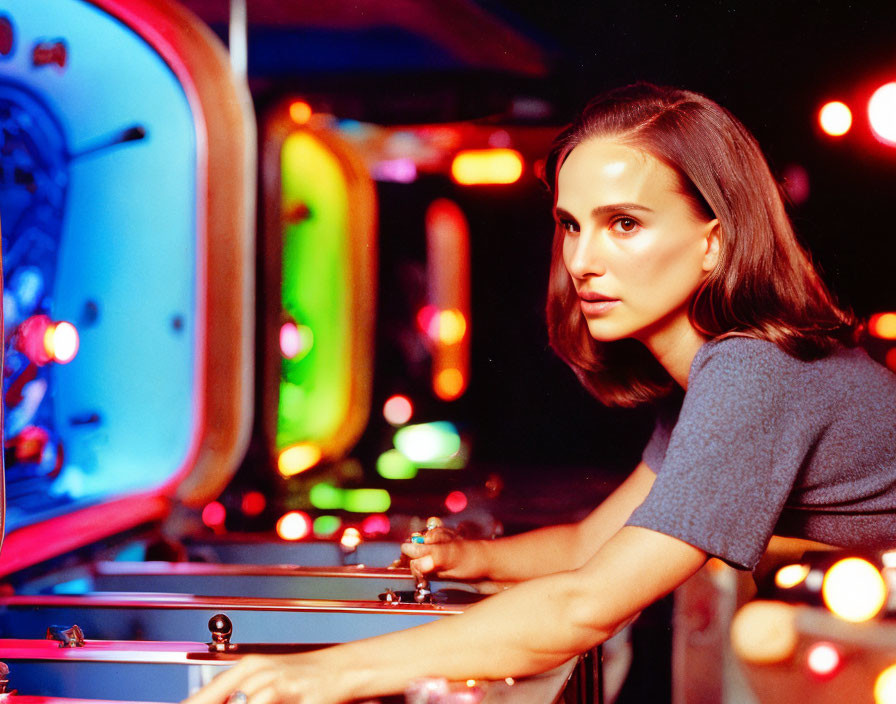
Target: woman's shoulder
742 355
739 354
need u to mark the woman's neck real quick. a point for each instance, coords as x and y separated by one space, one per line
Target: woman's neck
675 348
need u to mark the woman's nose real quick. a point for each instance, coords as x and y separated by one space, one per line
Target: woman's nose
585 256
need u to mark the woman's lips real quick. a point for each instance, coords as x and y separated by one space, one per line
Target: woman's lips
596 304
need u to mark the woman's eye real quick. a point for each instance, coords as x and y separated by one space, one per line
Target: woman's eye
625 225
568 226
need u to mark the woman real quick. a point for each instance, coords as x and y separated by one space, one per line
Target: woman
676 278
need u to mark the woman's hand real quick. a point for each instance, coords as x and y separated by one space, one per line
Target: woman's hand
263 679
445 554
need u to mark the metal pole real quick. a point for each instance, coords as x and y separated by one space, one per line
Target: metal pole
238 38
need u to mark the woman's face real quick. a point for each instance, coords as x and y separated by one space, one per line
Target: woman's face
633 244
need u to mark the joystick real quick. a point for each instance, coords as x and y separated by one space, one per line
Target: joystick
71 637
422 591
221 628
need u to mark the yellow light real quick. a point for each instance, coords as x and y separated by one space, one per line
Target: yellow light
835 118
791 575
764 632
487 166
65 342
823 659
885 686
298 458
883 325
299 111
471 683
449 384
854 590
294 525
351 538
452 327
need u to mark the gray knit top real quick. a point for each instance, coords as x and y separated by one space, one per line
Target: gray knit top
765 443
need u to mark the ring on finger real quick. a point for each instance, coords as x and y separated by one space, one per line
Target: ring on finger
238 697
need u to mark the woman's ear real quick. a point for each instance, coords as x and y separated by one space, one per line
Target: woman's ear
713 245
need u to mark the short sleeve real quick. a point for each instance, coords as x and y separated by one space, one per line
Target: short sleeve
719 487
655 449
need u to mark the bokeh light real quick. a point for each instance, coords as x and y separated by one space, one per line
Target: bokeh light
326 525
796 183
486 166
456 501
289 339
392 464
300 112
214 514
890 359
298 458
883 325
253 503
449 384
854 590
366 500
823 659
790 576
428 442
451 328
294 525
377 524
882 113
398 410
61 342
835 118
296 341
426 317
885 686
326 496
351 538
32 339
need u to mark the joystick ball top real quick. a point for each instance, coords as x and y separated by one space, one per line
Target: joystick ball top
220 625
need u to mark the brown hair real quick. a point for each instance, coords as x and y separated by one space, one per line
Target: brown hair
764 285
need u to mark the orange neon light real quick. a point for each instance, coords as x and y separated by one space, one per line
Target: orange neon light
297 458
487 166
299 112
449 384
883 325
447 318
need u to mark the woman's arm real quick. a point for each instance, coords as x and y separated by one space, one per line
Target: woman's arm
531 628
539 552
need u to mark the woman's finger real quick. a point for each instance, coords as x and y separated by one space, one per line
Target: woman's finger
439 535
414 550
423 565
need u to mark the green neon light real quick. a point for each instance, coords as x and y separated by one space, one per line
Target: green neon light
326 525
330 498
326 496
393 464
314 388
367 500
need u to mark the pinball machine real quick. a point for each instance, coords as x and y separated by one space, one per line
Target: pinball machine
128 321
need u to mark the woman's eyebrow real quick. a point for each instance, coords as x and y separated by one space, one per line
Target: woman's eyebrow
604 209
613 207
